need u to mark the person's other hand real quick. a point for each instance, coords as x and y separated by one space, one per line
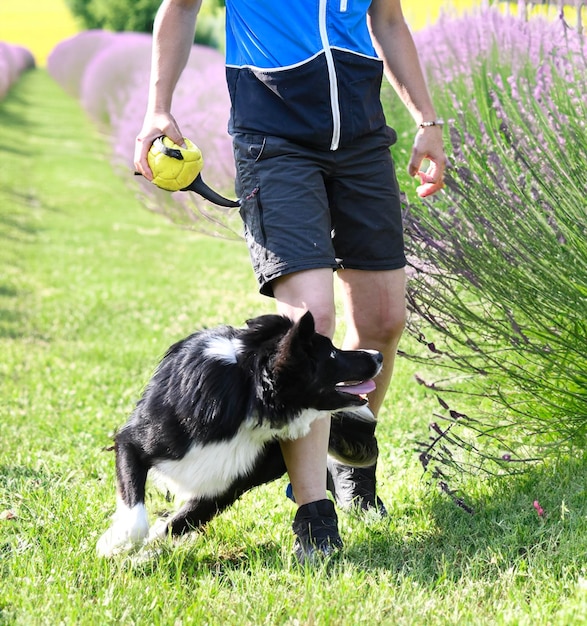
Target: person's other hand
428 145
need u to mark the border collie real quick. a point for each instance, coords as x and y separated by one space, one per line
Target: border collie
209 423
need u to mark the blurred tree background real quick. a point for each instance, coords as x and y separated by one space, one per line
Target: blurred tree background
138 16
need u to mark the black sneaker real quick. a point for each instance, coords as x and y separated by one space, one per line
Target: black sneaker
354 487
316 528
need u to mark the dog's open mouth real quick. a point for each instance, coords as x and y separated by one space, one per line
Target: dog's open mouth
355 388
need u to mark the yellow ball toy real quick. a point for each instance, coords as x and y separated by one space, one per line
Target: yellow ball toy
174 167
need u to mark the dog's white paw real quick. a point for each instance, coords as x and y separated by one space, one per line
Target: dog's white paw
128 531
159 530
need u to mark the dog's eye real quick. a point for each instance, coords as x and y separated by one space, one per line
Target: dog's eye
333 354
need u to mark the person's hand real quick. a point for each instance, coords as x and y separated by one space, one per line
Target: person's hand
430 183
154 126
428 145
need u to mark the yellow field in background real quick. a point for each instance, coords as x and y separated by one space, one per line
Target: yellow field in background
36 24
41 24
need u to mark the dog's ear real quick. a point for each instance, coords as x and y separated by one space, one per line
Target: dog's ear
297 339
268 327
300 335
305 326
271 324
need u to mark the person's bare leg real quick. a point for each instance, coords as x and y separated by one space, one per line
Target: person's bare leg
375 314
305 458
375 319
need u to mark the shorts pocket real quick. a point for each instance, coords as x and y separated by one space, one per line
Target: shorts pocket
256 148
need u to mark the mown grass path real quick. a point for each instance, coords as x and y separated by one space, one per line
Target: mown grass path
93 289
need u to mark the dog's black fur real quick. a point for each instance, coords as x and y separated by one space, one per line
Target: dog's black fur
211 419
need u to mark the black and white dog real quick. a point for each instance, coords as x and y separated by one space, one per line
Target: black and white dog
209 423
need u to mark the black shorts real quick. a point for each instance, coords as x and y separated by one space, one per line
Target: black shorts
304 208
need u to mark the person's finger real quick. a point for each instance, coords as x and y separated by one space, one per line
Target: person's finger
142 147
429 189
431 183
415 162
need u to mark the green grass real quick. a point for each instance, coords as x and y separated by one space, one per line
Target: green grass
93 288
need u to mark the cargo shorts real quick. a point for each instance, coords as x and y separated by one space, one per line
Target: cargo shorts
305 208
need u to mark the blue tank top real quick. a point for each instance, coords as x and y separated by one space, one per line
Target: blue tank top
303 70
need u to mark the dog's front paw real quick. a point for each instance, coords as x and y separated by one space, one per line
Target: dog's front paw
116 541
159 530
128 532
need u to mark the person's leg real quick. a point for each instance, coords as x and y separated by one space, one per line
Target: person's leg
375 318
305 458
289 240
315 523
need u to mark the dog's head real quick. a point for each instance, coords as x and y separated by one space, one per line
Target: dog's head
305 370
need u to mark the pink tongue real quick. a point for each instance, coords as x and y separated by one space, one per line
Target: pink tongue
358 389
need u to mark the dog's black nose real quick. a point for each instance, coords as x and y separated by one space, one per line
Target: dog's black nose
377 356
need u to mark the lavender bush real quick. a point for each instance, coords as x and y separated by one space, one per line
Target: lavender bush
112 75
68 60
14 60
498 291
111 80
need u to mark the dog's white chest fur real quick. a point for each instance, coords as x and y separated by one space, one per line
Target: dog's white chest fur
207 470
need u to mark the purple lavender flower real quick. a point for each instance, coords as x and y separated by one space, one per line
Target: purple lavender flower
14 60
109 72
500 259
68 60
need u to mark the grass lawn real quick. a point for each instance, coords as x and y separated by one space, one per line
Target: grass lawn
93 288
